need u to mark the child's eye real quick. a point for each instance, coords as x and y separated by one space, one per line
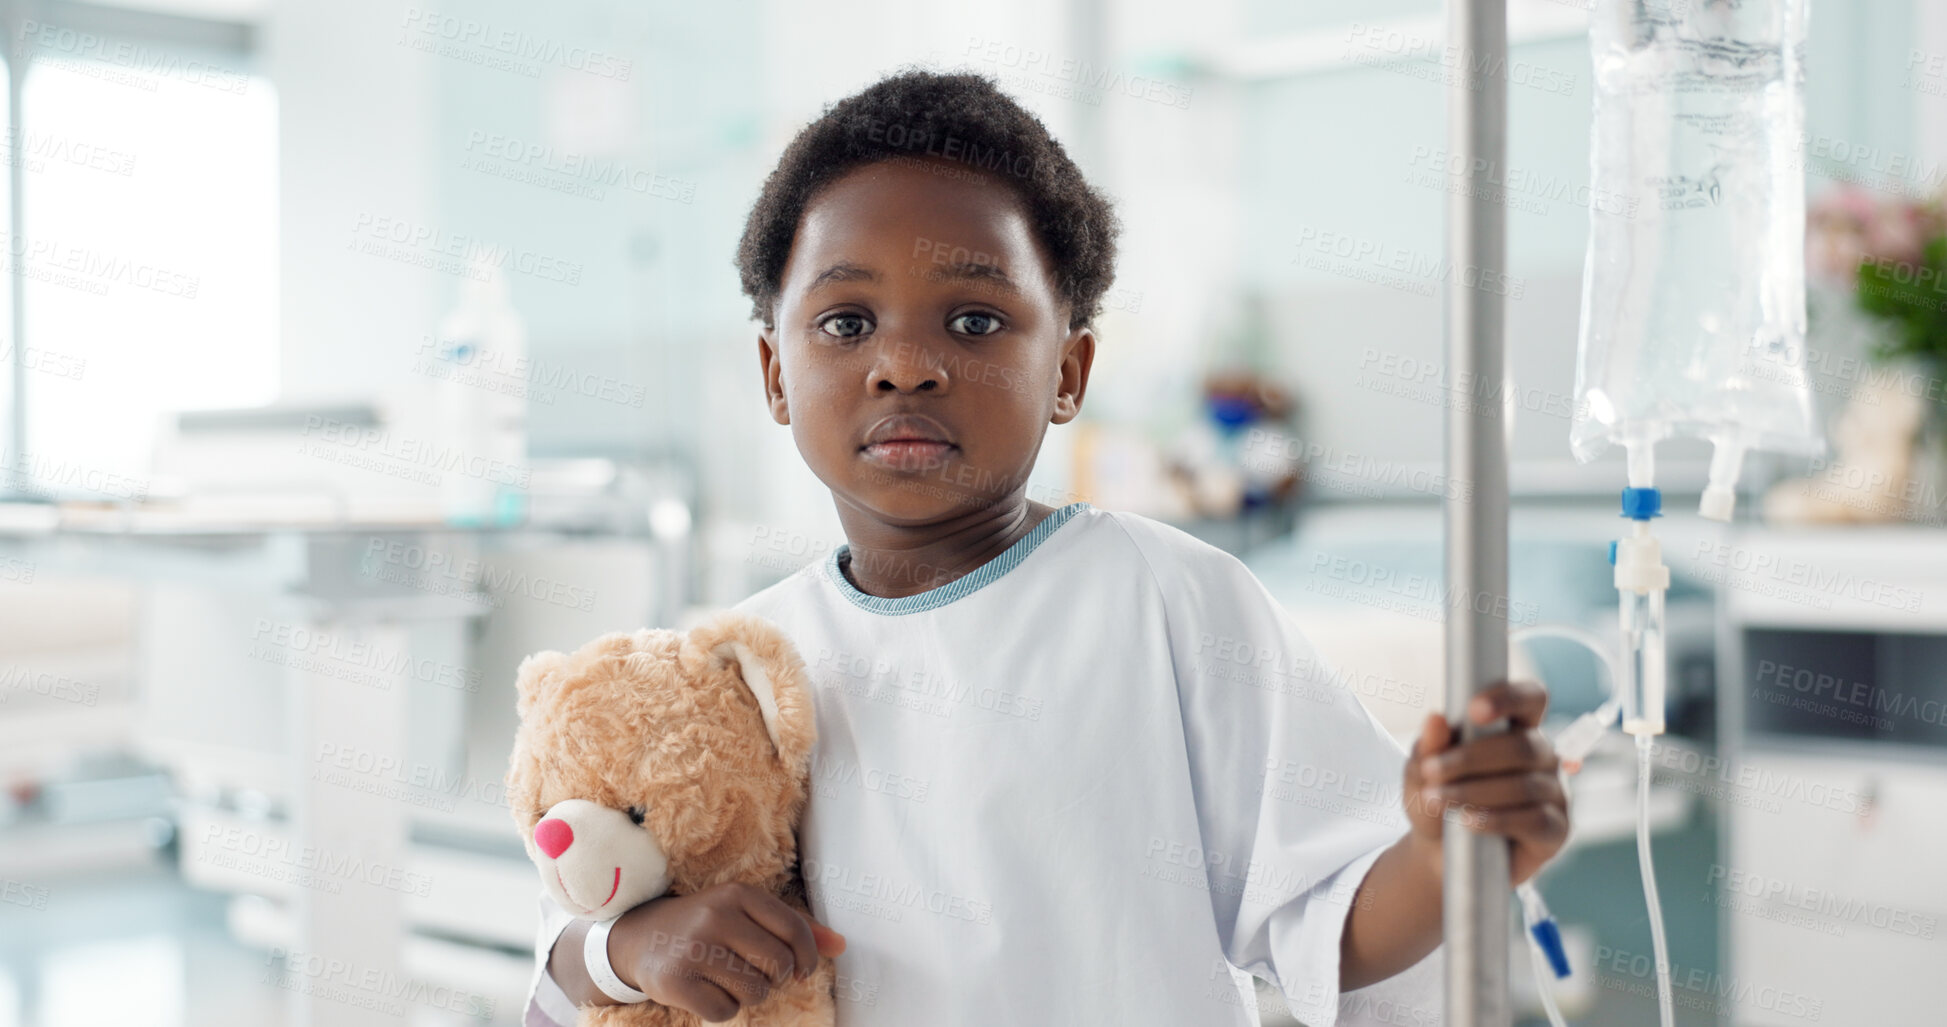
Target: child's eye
845 326
975 324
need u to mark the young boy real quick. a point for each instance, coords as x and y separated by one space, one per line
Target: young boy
1072 764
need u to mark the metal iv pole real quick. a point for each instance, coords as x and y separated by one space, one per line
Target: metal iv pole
1476 892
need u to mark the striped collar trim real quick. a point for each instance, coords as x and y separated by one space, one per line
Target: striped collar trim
966 584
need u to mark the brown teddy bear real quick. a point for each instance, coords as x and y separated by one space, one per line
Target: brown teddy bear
653 761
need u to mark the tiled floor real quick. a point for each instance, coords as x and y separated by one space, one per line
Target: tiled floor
131 948
137 948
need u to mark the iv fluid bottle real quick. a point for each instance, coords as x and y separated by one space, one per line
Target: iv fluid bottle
482 352
1693 295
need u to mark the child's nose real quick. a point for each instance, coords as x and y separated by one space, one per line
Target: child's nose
554 837
906 367
904 380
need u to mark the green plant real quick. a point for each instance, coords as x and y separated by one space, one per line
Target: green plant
1911 298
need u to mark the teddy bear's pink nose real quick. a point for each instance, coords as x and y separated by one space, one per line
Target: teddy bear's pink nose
554 837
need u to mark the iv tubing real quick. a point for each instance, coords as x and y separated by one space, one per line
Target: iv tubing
1541 987
1664 1002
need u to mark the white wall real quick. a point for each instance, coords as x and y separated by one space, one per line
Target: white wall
357 117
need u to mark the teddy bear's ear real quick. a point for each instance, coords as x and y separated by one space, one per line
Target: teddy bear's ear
757 677
538 675
765 660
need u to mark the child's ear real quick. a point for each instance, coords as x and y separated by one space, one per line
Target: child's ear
1078 355
538 675
773 368
768 664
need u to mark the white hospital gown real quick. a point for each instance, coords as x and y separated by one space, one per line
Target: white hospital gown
1076 787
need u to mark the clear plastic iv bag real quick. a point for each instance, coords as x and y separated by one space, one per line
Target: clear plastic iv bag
1693 296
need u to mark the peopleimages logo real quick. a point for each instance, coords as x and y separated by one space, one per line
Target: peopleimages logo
947 146
1749 568
886 897
595 172
1697 988
440 571
39 474
93 271
1352 256
379 450
309 648
1512 182
20 893
95 56
390 777
305 866
366 987
1378 45
427 30
438 249
1021 65
1819 901
1750 784
1831 692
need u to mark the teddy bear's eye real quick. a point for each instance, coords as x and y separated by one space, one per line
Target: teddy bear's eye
636 813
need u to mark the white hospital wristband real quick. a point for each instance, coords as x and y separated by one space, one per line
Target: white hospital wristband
594 954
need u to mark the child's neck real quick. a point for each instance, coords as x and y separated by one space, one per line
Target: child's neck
894 561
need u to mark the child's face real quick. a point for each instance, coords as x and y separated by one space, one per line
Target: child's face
920 288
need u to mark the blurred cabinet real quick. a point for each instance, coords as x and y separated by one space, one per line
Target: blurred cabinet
1834 658
67 662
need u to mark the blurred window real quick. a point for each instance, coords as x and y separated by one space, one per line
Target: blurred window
146 261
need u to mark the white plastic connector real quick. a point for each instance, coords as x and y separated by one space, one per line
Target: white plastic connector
1717 503
1641 453
1576 741
1641 582
1726 463
1639 563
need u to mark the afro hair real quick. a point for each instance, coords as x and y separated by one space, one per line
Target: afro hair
963 118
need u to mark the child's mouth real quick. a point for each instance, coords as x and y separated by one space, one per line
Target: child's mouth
907 454
908 441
